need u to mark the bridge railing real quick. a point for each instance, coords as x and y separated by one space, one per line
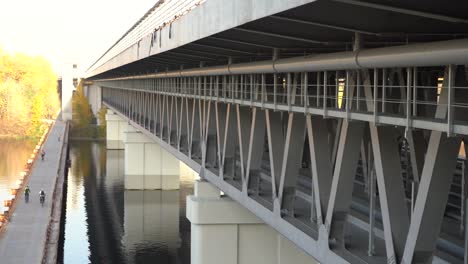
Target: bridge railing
161 15
413 98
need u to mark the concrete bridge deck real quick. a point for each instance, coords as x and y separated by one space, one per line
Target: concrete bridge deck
24 238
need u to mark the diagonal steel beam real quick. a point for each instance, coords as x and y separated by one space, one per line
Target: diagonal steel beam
351 135
275 133
292 161
320 164
436 178
391 190
256 145
311 23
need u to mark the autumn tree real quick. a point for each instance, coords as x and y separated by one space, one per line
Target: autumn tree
28 94
82 113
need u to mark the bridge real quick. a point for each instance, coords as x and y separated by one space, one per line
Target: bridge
335 129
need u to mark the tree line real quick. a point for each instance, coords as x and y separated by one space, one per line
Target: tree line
84 123
28 94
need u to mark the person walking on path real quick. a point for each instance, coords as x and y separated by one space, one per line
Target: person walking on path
42 197
26 193
42 154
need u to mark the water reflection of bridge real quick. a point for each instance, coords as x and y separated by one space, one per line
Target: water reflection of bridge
127 226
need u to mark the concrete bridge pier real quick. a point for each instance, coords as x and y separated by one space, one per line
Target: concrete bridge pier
224 231
116 127
147 165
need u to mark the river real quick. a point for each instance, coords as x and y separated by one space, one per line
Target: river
104 223
13 157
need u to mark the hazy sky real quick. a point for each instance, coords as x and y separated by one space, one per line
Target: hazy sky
76 31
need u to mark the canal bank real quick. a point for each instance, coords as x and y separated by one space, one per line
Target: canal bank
28 231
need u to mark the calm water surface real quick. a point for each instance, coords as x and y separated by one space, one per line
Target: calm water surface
13 157
104 223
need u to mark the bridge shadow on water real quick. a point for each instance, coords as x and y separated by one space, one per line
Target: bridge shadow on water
104 223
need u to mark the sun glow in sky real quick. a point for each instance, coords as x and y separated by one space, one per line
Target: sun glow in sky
67 31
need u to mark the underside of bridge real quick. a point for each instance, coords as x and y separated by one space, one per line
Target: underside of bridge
340 123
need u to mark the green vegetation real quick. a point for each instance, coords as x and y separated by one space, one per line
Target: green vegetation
84 123
28 95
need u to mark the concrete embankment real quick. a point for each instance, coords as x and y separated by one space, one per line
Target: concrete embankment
31 234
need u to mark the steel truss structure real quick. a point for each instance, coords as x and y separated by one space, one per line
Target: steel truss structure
352 165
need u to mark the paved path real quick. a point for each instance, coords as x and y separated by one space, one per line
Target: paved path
25 235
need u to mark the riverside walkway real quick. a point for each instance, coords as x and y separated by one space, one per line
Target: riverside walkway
24 238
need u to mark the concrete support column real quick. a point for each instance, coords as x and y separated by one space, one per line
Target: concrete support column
224 231
147 165
116 127
94 95
68 73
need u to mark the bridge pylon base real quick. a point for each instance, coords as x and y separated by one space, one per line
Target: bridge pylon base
223 231
147 165
115 128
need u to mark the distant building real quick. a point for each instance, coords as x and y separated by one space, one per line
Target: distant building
67 84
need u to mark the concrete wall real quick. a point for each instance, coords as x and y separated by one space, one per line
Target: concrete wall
94 95
148 165
67 91
116 127
224 230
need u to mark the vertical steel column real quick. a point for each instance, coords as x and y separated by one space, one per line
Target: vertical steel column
224 87
465 258
306 92
336 89
463 190
233 87
242 88
375 94
371 251
415 91
384 92
408 98
251 89
325 94
450 91
288 91
318 90
358 92
217 87
413 194
263 91
275 91
348 96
